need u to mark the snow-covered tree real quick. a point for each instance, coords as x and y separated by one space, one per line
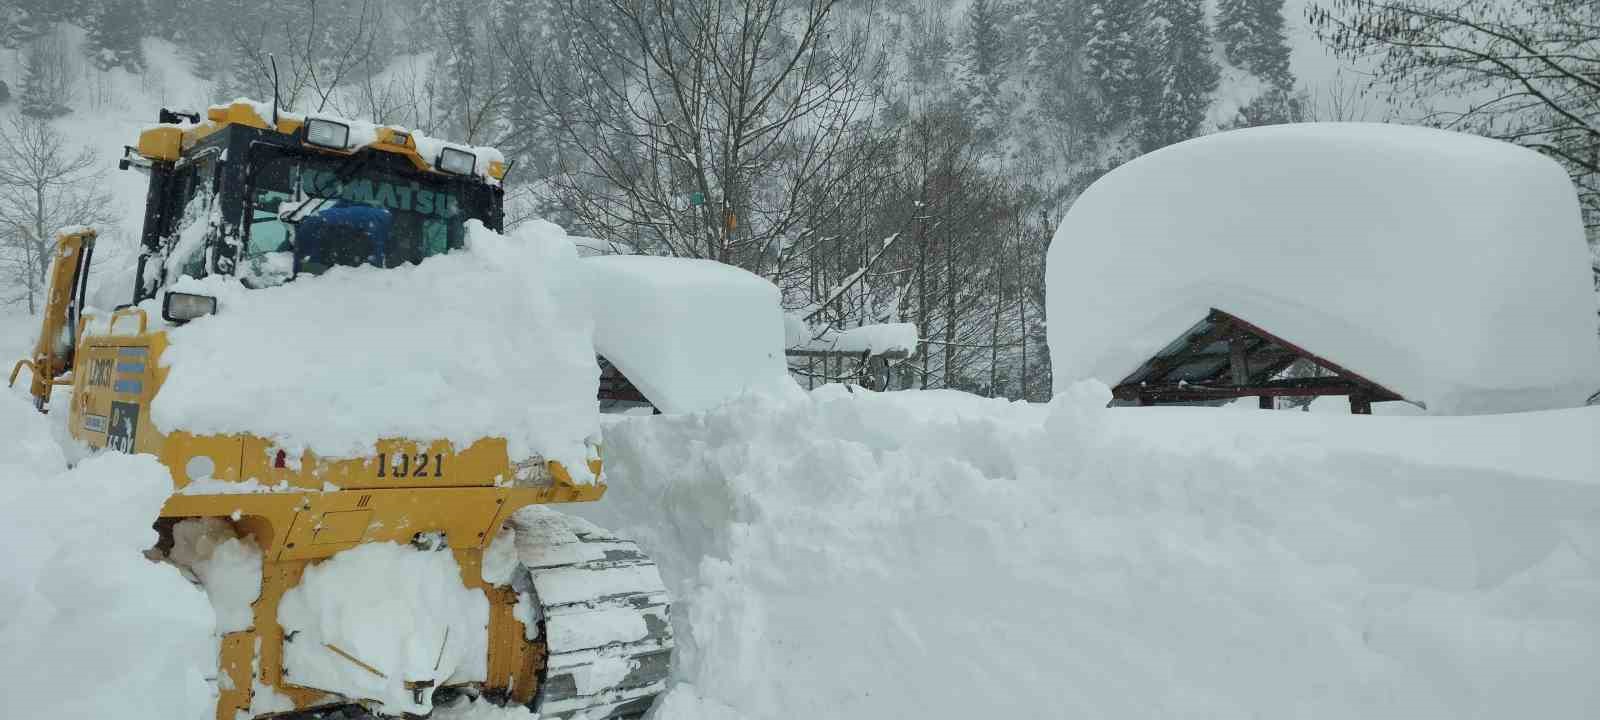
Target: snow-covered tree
44 184
1178 70
45 86
457 68
985 51
1252 36
1111 57
1275 106
21 21
116 29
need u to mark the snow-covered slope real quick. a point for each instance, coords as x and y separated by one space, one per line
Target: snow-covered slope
936 555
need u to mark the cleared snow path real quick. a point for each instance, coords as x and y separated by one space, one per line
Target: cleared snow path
935 555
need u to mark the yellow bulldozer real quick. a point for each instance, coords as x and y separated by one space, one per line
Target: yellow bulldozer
580 627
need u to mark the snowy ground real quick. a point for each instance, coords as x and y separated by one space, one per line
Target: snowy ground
938 555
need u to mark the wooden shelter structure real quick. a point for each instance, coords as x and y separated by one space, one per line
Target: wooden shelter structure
616 390
1223 357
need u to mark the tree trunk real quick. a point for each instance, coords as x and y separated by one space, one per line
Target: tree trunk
949 314
1022 320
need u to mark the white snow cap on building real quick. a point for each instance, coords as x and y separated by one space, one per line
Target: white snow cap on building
689 334
1449 268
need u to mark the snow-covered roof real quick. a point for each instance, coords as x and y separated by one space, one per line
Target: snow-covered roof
877 339
1449 268
689 334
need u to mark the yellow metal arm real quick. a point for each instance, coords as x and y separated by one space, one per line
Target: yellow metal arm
18 368
53 352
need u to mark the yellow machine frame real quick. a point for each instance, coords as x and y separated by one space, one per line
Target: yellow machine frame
298 510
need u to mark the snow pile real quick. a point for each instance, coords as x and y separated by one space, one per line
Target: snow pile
465 709
227 566
91 628
1449 268
374 617
688 333
937 555
493 341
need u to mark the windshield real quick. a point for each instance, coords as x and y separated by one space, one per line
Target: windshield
378 217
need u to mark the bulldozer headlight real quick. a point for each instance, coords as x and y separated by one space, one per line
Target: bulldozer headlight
457 161
182 307
327 133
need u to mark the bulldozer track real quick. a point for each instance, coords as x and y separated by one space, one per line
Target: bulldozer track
603 613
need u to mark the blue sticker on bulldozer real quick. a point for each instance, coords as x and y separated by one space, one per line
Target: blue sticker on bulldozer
124 426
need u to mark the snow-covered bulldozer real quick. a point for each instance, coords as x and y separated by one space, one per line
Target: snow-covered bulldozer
413 569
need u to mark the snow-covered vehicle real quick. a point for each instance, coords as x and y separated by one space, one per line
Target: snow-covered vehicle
361 460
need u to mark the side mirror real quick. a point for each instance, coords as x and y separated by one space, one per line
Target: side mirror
180 307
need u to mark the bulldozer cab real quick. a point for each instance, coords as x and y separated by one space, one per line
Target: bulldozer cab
268 200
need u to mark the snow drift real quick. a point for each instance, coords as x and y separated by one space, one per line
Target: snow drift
90 628
937 555
1449 268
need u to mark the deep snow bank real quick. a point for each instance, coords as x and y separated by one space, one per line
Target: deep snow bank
1449 268
936 555
89 627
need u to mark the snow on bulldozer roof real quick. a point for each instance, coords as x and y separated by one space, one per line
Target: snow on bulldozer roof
1449 268
161 142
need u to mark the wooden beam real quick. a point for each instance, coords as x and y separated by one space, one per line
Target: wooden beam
1296 387
1219 330
1236 359
1379 392
1279 365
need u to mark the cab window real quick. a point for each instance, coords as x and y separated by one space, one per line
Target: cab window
379 217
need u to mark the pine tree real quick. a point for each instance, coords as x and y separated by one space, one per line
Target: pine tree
458 67
1111 57
986 53
25 20
1235 29
929 45
116 30
1056 33
1253 38
41 93
985 56
168 19
1179 73
1270 58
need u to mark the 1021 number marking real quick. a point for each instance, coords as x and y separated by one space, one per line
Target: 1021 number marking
407 465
